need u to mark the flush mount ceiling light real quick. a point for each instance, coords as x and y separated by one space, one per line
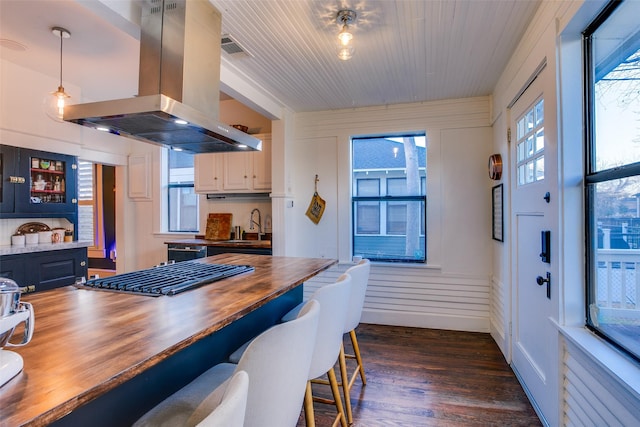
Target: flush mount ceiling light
345 18
60 95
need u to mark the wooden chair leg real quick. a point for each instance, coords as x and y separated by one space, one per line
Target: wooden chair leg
336 396
345 385
356 350
308 407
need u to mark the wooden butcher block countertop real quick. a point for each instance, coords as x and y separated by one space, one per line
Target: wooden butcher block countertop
87 342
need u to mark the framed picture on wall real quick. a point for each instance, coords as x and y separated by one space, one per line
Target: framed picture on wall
496 213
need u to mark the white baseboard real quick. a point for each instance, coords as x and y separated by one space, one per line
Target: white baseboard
425 320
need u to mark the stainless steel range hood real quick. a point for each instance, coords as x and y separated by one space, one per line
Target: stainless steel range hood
178 88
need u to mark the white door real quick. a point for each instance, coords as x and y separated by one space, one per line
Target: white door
533 166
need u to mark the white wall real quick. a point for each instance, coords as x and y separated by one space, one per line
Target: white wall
597 386
452 290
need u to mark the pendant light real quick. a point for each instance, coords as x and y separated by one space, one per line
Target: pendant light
60 95
344 18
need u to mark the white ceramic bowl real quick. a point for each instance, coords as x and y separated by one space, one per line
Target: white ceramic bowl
44 236
18 240
31 238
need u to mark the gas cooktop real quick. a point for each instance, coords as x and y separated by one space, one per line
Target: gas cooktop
167 279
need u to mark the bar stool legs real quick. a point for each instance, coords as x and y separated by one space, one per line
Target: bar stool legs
337 400
346 386
357 357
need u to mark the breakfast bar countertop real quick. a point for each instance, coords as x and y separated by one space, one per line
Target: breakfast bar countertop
88 342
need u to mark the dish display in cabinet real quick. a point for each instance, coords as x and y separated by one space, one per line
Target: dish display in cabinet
38 184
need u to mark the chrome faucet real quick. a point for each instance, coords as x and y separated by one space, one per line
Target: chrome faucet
259 223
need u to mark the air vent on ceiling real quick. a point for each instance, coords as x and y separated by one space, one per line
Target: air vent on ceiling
232 47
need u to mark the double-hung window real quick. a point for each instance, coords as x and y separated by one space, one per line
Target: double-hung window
182 199
612 174
389 197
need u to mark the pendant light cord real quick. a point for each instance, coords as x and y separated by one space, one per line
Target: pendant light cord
61 37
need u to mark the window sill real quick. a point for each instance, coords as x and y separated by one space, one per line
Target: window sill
621 369
174 234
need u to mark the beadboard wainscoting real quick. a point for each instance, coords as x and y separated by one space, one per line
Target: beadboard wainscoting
591 395
419 297
500 296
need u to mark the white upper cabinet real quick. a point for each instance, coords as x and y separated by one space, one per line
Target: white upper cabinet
262 165
235 172
208 173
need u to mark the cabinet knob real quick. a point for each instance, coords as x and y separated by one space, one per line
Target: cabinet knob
74 166
74 201
83 263
215 179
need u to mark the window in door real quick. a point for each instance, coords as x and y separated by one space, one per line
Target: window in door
612 178
530 144
389 197
182 199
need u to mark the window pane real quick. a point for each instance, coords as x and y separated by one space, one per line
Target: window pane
540 140
530 145
397 187
182 199
617 105
183 209
520 152
615 302
392 170
180 167
613 197
368 187
539 168
539 113
403 240
368 217
396 218
521 130
529 172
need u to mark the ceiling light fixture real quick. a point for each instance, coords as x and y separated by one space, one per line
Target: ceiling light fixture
345 18
60 94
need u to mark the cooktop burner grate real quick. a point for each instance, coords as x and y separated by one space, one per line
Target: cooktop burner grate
168 279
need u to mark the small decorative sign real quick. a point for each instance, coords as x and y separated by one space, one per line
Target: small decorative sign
317 205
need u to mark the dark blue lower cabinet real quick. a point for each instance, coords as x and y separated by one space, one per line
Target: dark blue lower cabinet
40 271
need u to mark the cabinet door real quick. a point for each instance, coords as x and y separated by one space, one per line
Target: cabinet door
208 173
51 186
262 165
54 269
9 178
237 170
45 270
13 267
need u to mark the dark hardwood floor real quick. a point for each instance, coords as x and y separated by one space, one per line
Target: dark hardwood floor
426 377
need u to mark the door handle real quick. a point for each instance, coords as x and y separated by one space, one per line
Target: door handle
541 281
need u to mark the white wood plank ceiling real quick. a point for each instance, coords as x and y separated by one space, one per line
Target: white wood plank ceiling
405 50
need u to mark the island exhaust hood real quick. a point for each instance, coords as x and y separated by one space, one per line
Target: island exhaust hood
178 87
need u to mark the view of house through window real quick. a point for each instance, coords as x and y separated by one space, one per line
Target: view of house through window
389 197
182 199
612 76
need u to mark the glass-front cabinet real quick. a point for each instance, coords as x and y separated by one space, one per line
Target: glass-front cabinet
51 183
38 184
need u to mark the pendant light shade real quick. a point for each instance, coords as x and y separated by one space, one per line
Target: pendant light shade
60 96
345 37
